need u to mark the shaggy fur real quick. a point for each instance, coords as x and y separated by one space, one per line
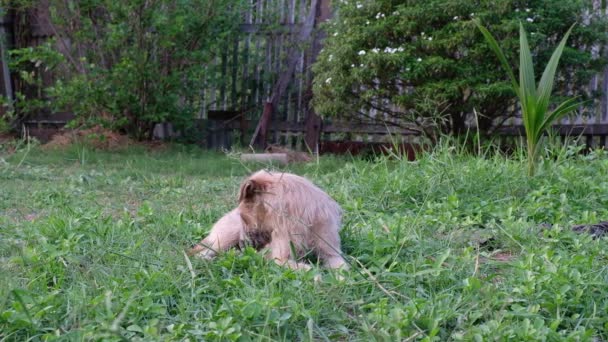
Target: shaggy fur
281 212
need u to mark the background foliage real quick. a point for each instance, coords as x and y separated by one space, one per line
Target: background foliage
127 64
428 58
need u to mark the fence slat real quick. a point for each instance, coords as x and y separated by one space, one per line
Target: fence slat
235 66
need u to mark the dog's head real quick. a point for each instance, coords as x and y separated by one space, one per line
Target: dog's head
251 204
250 189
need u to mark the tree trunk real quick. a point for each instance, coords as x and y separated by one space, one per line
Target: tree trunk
261 131
313 121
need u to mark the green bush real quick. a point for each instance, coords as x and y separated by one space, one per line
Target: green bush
127 64
428 58
4 127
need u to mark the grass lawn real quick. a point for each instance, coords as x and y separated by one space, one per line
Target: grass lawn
446 248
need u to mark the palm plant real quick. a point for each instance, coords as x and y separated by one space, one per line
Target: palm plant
534 101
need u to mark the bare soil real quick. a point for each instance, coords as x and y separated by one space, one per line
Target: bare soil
97 137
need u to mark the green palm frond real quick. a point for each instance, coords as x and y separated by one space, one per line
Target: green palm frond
534 101
501 56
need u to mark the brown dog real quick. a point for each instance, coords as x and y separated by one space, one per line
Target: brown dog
279 211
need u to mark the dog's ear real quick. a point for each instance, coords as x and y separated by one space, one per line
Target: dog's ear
249 189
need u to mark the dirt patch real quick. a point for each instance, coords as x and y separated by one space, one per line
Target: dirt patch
496 257
595 230
42 134
502 256
59 140
292 156
155 145
97 137
5 137
8 144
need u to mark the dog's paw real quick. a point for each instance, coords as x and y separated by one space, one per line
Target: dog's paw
206 254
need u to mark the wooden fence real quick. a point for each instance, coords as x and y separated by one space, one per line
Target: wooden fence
270 63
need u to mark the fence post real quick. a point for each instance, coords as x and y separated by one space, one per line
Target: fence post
313 122
6 76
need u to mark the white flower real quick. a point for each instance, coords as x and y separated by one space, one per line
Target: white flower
352 65
362 52
335 34
331 57
367 22
422 34
472 14
527 10
530 20
328 80
380 15
359 6
361 65
375 50
430 38
456 17
517 10
400 49
407 69
419 59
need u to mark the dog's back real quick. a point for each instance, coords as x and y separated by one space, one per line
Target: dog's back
295 208
296 195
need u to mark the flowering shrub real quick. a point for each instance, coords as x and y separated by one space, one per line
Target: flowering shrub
425 65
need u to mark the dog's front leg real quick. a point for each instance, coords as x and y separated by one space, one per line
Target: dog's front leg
280 252
225 234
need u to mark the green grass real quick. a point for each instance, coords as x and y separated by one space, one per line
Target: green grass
446 248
